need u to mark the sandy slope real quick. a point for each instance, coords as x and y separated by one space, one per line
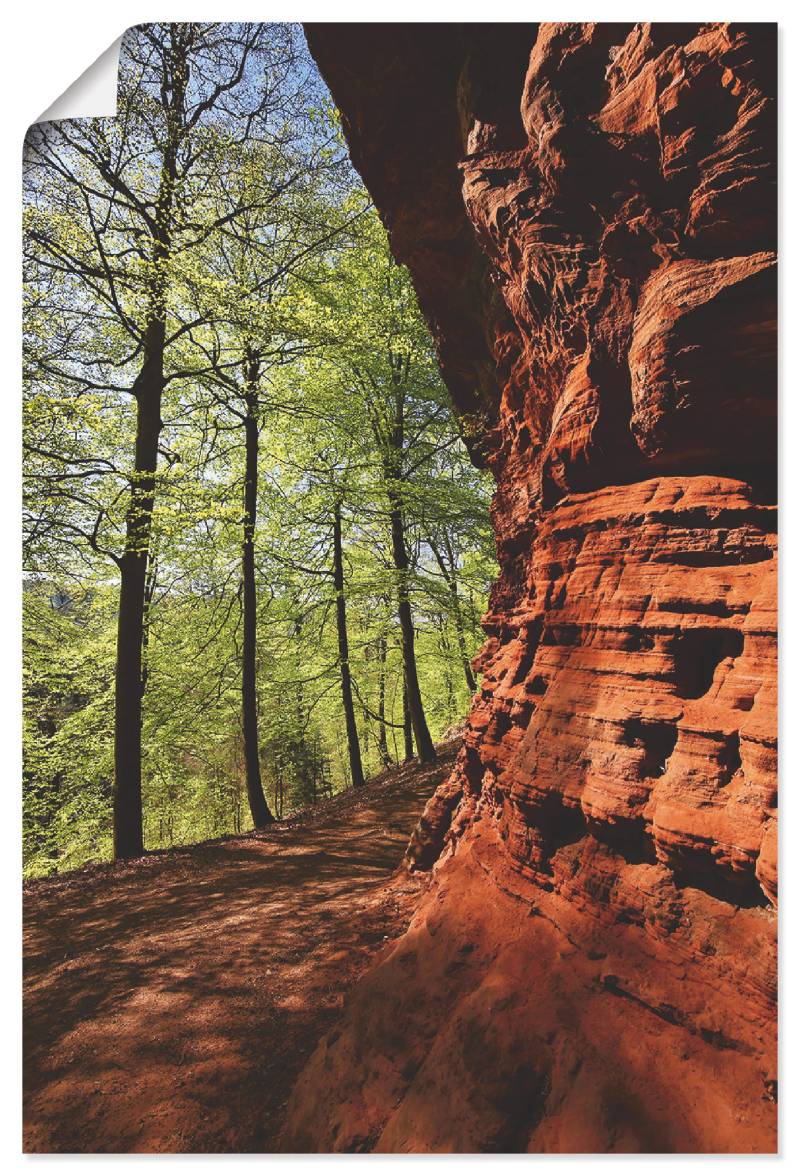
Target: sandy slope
170 1003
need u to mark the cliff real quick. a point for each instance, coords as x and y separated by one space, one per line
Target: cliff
588 213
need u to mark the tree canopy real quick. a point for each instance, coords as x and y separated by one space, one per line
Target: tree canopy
255 550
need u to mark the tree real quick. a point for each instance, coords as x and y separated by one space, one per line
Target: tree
135 188
387 391
392 441
282 229
353 747
272 662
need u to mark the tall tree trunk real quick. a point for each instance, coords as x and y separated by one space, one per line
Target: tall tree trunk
353 747
422 736
147 390
127 796
393 476
408 734
383 743
451 580
259 809
469 677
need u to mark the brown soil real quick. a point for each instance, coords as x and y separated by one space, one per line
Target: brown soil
171 1002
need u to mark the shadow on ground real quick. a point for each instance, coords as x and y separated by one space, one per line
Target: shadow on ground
170 1003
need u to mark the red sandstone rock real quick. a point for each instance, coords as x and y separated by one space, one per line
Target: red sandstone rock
588 214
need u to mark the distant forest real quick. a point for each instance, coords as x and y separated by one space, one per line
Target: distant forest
256 552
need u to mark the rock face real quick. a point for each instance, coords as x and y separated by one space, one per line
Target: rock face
588 212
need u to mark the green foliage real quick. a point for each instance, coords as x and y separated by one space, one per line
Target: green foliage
68 704
284 305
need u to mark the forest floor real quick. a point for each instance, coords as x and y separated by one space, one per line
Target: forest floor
171 1002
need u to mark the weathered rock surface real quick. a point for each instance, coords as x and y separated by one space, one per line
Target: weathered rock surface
588 212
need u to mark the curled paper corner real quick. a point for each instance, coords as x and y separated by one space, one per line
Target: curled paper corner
93 94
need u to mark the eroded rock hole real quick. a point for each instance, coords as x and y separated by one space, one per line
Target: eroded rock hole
638 641
657 741
569 635
627 838
550 826
531 639
722 558
709 608
738 889
730 758
501 725
696 654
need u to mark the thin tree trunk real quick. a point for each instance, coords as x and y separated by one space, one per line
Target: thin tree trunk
383 743
392 471
353 747
408 735
452 584
259 809
422 737
469 677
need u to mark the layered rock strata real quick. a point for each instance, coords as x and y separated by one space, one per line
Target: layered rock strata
588 213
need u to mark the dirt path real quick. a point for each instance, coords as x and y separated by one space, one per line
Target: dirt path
170 1004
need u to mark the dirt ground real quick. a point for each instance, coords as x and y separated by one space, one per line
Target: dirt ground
170 1003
